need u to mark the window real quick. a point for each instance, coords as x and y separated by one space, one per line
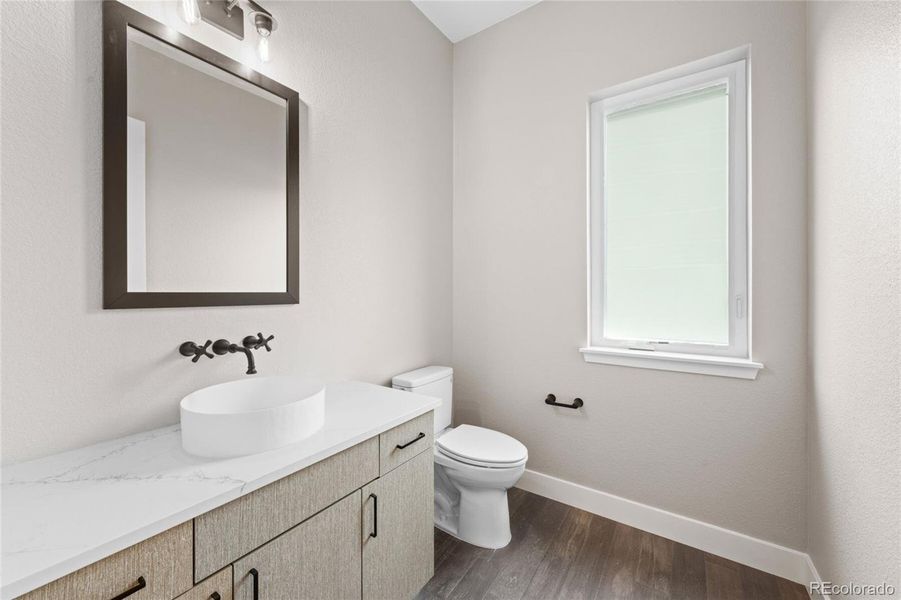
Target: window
668 212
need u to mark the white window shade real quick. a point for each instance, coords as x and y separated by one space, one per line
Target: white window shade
666 191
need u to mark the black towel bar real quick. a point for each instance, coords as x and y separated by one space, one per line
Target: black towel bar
552 400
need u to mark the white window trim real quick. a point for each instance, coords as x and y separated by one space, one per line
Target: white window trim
722 366
733 360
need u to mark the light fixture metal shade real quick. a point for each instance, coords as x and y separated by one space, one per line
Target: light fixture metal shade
263 22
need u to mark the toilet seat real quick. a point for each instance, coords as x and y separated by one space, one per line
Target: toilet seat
445 459
481 447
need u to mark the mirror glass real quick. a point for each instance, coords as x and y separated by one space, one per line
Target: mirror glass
206 174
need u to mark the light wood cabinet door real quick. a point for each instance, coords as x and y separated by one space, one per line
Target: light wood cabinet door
156 569
398 535
316 560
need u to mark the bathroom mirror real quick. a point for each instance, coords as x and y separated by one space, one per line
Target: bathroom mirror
201 182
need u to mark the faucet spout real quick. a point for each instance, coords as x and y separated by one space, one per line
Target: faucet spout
251 365
225 347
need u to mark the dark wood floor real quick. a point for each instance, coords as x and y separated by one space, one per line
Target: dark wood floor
563 552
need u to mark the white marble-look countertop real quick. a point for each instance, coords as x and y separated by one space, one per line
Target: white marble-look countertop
63 512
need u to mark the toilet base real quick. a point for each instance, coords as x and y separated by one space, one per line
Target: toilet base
484 518
471 502
487 526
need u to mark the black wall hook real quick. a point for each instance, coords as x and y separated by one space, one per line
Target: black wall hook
552 400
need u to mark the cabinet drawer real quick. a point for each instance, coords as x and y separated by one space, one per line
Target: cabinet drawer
419 431
163 562
220 583
227 533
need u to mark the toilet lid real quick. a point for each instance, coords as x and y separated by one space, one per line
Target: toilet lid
472 443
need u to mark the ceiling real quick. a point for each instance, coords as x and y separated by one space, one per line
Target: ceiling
459 19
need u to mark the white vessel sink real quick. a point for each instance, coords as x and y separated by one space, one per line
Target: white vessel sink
251 415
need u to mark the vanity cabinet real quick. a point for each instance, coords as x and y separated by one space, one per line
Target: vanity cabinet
398 539
357 524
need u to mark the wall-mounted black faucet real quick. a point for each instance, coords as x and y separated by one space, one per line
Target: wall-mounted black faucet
221 347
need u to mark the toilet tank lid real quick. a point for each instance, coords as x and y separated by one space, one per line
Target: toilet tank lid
422 376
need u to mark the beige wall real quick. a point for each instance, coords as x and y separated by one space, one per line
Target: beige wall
726 451
375 222
853 59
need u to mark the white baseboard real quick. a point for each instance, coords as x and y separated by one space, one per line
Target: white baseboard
760 554
815 576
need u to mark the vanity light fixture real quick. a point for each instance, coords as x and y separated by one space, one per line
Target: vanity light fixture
265 24
189 11
228 16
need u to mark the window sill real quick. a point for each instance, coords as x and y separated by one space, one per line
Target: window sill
721 366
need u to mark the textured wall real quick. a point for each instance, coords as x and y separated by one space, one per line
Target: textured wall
375 221
725 451
854 58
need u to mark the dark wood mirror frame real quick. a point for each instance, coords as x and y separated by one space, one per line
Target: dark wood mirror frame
116 20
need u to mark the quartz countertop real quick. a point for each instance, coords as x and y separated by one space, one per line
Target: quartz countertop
66 511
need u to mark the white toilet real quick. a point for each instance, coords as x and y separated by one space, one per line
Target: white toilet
474 466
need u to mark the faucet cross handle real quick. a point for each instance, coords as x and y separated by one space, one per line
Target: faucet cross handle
255 343
190 348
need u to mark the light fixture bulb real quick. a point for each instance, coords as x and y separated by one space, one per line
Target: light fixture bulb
265 24
263 49
190 11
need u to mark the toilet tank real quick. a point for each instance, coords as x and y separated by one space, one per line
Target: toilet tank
434 381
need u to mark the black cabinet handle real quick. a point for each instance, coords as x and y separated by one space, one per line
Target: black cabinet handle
256 583
552 400
411 442
375 515
215 596
140 585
